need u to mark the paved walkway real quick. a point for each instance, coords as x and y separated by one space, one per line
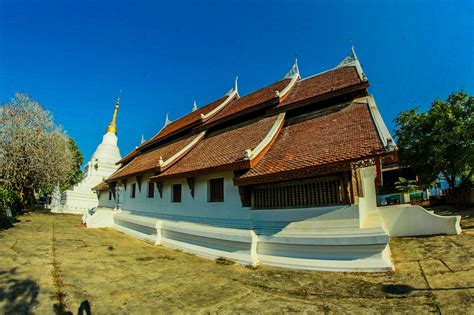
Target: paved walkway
49 263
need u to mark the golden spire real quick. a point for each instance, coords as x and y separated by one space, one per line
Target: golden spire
113 123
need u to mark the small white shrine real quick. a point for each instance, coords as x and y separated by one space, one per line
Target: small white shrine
101 165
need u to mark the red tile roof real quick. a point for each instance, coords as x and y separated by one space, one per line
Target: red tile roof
187 120
150 160
306 89
344 135
221 150
321 84
311 143
128 157
100 186
176 125
250 101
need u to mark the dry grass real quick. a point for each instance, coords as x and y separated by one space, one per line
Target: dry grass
114 273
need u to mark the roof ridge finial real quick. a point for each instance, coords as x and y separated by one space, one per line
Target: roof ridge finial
167 121
296 66
235 88
112 127
353 52
294 71
352 60
118 97
195 107
142 141
349 59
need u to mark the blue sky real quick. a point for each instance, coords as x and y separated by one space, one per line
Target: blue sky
74 56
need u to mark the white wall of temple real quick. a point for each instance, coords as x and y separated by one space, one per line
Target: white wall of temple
104 200
230 212
196 208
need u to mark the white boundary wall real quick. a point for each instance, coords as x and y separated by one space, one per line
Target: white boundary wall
409 220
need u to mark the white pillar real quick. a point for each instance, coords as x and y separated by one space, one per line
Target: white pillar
368 203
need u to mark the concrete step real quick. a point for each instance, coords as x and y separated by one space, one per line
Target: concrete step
299 245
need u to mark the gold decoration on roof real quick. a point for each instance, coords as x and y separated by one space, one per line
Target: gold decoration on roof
113 123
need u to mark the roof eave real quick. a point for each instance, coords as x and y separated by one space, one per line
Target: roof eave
231 96
271 102
305 172
235 166
165 164
323 97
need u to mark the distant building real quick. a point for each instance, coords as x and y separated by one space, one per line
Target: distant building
101 165
284 176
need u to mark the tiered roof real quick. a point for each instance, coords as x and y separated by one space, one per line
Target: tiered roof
251 102
222 150
188 120
183 123
150 161
307 143
263 135
324 85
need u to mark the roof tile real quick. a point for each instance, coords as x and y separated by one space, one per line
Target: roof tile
150 160
222 148
187 120
248 101
320 84
343 135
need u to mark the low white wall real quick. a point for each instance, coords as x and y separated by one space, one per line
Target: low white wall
204 240
299 245
272 221
409 220
340 258
102 218
212 242
143 228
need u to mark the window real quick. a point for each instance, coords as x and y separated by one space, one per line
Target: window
110 195
151 190
176 193
216 190
133 191
314 193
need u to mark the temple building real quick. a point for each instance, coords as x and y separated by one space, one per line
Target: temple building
101 165
284 176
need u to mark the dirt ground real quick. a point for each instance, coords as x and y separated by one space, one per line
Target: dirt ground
50 264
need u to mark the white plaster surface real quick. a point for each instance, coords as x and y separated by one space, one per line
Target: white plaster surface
102 217
81 198
410 220
368 215
317 249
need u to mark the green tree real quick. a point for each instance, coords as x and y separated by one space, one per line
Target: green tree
8 200
406 185
75 175
439 141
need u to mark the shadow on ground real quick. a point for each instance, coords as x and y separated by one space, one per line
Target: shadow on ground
466 213
20 296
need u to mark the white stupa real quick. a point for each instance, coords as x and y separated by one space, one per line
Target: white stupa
102 164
